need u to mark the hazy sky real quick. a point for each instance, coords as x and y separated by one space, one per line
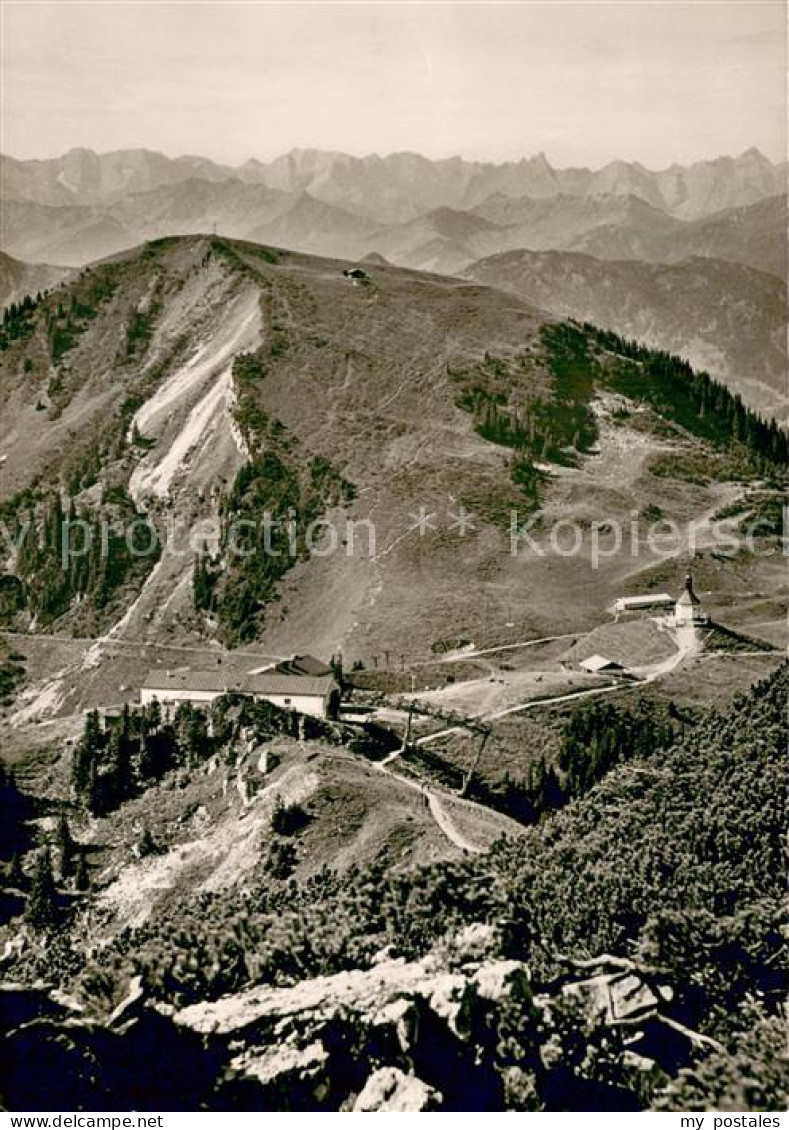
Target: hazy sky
585 82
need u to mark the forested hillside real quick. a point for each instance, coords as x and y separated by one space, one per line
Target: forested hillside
721 316
674 853
675 861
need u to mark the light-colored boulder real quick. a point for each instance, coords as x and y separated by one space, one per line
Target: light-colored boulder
503 980
390 1089
284 1062
451 998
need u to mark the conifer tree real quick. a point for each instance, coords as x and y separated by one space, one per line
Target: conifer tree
42 911
153 716
92 734
66 847
118 782
82 878
16 875
147 845
81 770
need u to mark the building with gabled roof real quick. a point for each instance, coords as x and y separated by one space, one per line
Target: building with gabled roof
600 665
640 603
290 689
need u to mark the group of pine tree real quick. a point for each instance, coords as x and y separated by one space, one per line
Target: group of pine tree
111 765
64 314
594 740
18 321
693 399
553 429
65 556
43 907
114 762
14 812
582 357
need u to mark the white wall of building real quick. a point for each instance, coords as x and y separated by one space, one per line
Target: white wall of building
689 614
304 703
636 603
176 696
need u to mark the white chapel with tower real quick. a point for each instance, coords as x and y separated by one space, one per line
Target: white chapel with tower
688 610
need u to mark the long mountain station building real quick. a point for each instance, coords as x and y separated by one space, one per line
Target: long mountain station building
302 683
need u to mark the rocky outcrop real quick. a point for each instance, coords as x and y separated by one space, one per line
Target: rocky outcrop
397 1036
459 1029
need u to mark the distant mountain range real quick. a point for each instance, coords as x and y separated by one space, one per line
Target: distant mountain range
430 215
400 186
724 317
607 227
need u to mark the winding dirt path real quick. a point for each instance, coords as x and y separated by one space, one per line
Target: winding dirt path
440 815
459 656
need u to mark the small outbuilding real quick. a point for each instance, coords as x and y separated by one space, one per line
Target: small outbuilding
641 603
600 665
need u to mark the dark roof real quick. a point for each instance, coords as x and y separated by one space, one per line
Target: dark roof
296 665
303 665
215 682
273 682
